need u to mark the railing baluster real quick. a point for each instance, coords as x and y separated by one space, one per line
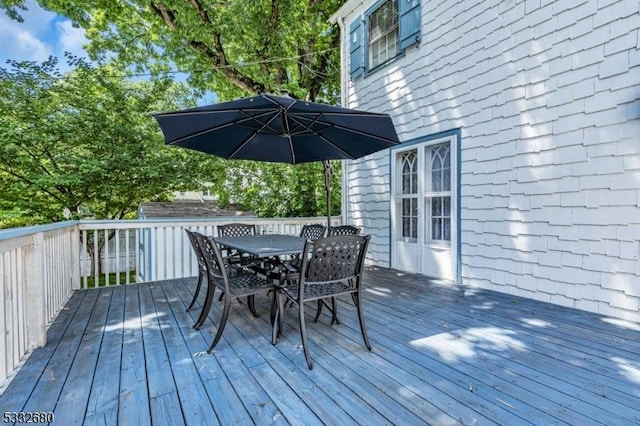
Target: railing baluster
83 259
117 260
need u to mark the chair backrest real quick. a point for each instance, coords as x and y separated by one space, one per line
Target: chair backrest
216 269
312 232
236 230
343 230
196 248
335 258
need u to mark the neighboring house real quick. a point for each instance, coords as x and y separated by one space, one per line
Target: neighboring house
519 169
181 208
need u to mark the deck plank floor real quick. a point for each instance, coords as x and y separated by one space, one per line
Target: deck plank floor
441 355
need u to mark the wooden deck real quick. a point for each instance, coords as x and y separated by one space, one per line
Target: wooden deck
128 355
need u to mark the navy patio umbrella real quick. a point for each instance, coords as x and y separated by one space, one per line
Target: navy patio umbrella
279 129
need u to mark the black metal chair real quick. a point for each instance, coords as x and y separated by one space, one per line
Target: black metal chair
343 230
202 272
232 257
202 266
308 232
313 231
234 285
331 231
334 268
236 230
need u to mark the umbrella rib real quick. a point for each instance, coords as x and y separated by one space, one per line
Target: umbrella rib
285 122
253 135
326 140
348 129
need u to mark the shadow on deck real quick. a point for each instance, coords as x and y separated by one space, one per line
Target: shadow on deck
441 355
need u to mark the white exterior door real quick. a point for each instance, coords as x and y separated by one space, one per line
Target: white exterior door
424 208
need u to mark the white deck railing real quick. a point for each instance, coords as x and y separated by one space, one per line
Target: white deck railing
40 267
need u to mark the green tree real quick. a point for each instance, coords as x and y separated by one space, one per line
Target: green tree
234 48
85 144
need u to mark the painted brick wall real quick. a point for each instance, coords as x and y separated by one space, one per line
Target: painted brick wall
547 94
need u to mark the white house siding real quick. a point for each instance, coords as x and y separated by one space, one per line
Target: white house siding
547 97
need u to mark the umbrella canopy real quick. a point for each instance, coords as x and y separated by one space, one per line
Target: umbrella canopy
279 129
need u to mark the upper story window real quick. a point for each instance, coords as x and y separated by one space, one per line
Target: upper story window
382 33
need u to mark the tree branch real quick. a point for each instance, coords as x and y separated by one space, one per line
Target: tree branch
216 54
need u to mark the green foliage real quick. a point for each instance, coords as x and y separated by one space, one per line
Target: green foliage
84 144
233 47
280 190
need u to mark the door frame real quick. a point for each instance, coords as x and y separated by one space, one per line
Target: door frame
454 135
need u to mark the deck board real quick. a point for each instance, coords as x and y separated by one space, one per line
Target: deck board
441 355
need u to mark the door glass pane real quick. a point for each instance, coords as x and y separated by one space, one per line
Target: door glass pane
440 168
409 167
436 207
440 218
446 229
436 228
436 181
410 218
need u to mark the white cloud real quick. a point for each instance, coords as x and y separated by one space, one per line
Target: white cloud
42 33
71 39
20 44
23 41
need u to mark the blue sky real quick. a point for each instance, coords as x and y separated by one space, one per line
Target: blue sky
42 33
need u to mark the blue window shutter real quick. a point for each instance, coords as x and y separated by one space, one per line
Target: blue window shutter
409 11
356 48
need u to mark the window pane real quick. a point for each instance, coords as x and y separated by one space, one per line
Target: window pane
436 181
446 206
406 207
446 184
436 225
414 207
414 182
446 230
414 227
406 227
436 161
436 208
408 161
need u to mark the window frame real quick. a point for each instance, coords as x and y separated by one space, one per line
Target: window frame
409 28
367 28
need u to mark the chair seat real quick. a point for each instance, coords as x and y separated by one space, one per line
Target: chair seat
318 291
246 283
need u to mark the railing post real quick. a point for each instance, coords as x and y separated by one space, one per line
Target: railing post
35 291
75 257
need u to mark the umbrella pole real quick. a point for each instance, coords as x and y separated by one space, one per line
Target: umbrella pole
327 187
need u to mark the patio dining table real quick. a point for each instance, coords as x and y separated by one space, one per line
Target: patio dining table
264 246
270 248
